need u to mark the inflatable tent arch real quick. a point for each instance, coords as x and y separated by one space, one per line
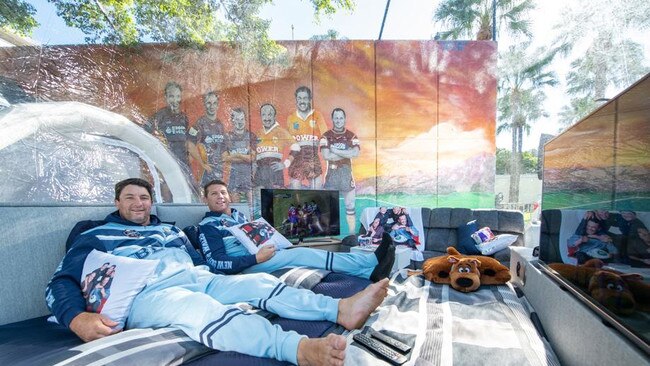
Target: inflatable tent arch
23 120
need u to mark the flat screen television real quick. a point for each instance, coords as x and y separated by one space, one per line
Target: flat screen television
301 214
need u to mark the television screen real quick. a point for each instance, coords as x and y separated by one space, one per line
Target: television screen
302 213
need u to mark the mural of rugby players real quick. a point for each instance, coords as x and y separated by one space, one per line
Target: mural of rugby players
338 146
306 125
171 124
239 154
208 131
271 142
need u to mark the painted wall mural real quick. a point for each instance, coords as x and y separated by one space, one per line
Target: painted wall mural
420 117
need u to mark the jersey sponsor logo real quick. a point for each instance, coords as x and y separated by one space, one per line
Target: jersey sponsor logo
306 137
210 139
340 145
132 233
263 149
175 130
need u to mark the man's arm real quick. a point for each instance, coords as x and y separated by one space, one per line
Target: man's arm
63 293
214 250
344 153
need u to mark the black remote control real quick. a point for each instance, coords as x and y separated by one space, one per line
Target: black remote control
403 347
380 349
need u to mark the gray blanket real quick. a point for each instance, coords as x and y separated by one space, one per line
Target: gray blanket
447 327
167 346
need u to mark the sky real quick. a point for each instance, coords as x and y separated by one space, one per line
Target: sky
406 20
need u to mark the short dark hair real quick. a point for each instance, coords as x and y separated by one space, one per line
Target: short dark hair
238 110
119 186
172 84
206 95
212 183
337 109
303 88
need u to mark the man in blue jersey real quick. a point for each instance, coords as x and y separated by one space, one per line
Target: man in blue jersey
195 300
224 253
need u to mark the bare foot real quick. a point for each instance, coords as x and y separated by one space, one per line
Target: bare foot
354 310
322 351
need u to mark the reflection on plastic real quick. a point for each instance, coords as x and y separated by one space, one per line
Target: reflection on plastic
73 152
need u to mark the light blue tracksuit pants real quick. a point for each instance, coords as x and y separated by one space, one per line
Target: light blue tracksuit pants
200 303
353 264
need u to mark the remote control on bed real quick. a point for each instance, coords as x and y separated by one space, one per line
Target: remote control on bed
402 347
380 349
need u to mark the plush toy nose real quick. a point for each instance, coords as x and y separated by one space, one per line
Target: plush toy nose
464 282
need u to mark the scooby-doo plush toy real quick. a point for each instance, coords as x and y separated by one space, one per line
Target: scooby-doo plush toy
464 272
622 293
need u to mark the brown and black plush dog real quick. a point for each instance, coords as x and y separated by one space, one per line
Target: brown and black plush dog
622 293
464 275
439 269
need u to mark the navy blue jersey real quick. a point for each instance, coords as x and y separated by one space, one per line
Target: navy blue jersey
223 252
63 294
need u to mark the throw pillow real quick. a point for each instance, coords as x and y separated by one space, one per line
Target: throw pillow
499 242
466 244
109 283
257 233
482 235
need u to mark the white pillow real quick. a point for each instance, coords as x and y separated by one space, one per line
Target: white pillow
258 233
109 283
499 242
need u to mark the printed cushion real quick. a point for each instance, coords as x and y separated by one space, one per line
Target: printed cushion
482 235
258 233
466 244
499 242
109 283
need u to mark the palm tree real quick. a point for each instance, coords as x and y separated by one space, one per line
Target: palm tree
607 57
473 18
523 77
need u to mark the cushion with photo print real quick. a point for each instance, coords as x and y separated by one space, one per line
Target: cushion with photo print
498 243
109 283
258 233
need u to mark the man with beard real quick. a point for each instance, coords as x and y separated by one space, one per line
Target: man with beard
306 125
271 142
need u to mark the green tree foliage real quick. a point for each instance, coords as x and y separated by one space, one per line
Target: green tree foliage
523 76
17 16
504 159
184 21
599 35
331 35
472 19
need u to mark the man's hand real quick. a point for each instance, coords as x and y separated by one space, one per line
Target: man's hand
265 253
91 326
277 166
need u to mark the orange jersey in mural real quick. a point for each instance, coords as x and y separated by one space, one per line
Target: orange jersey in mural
307 132
271 143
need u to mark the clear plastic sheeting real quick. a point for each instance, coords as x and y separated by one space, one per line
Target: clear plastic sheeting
421 114
73 152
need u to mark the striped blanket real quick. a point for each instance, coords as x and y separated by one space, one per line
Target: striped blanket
445 327
165 346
